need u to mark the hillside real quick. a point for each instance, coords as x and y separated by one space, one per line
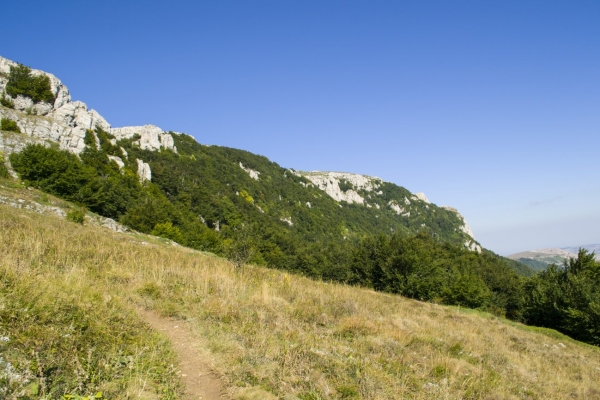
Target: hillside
76 294
332 226
289 201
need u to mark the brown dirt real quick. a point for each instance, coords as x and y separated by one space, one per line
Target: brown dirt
197 377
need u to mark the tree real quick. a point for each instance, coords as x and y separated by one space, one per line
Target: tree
567 298
22 82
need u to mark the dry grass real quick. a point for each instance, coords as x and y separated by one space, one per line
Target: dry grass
268 331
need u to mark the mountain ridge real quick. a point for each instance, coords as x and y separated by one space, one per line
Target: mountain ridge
66 122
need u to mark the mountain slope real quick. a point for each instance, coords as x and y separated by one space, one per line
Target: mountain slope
333 226
392 208
267 333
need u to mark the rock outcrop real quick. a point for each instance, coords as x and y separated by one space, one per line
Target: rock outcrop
151 137
65 121
342 186
144 171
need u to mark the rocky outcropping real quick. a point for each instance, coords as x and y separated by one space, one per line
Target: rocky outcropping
342 186
65 121
151 137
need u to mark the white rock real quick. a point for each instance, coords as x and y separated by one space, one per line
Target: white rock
151 136
144 171
22 103
396 207
253 174
329 182
66 121
421 196
118 160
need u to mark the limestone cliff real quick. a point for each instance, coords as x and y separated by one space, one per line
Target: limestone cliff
65 122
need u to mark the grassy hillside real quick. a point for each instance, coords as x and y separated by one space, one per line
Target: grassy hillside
68 295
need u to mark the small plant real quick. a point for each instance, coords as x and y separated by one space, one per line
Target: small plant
9 125
6 102
3 170
77 215
77 397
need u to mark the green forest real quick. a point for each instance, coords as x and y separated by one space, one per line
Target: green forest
200 197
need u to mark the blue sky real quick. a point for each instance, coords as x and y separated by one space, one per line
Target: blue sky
489 106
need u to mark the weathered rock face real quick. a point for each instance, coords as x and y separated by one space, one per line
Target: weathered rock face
65 122
330 183
144 171
151 137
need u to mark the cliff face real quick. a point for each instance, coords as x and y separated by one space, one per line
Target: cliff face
65 122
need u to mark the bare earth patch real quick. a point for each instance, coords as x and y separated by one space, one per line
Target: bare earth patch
197 377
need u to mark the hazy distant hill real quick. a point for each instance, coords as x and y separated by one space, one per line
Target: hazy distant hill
540 259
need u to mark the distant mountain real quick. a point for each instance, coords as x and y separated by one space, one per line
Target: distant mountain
589 247
540 259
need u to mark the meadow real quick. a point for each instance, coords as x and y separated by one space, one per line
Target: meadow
70 325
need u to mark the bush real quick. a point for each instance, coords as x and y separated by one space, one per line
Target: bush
167 230
77 215
3 170
22 82
6 102
9 125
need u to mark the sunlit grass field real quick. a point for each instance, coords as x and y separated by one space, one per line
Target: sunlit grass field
68 325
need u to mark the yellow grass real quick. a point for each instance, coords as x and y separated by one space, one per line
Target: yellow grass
269 331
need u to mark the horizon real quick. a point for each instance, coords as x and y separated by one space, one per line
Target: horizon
486 108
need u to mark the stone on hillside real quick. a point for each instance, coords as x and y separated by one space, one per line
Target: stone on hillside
151 137
144 171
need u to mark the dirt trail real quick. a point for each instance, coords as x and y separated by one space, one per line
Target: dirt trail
199 381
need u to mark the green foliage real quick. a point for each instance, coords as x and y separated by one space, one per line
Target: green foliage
6 102
77 215
422 268
345 185
3 170
167 230
567 299
56 172
22 82
9 125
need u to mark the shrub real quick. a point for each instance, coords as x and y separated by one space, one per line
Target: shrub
77 215
167 230
22 82
3 170
6 102
9 125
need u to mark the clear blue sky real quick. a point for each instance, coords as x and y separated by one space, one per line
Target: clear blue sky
492 107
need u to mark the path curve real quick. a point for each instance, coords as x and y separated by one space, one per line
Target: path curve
198 379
